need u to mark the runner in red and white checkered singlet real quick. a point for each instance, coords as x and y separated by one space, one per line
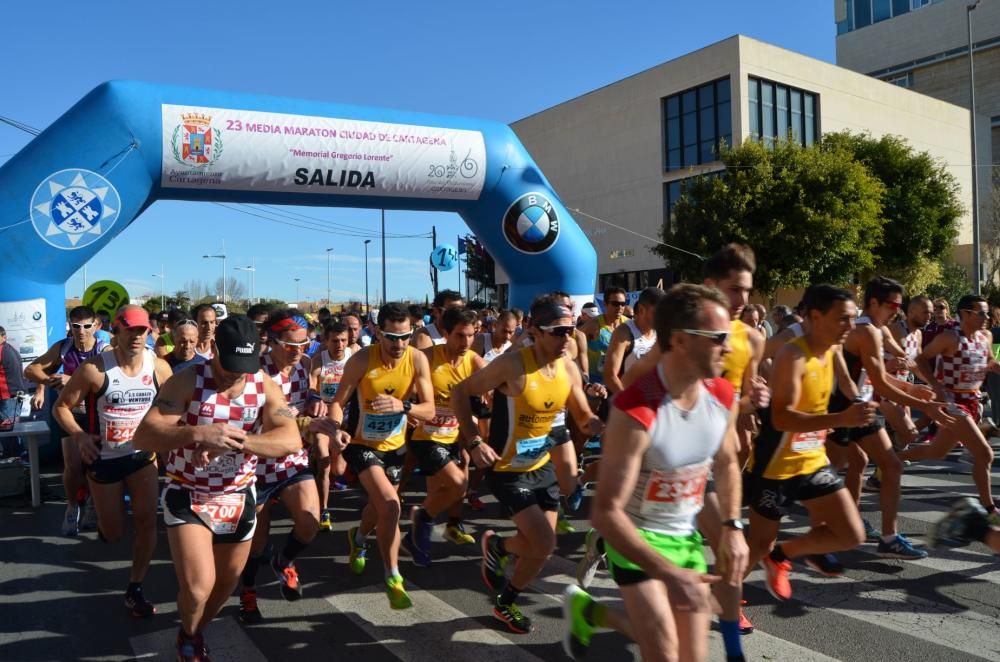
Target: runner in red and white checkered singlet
230 472
287 478
295 386
964 359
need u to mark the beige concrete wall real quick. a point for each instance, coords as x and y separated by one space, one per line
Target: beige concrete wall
603 151
931 29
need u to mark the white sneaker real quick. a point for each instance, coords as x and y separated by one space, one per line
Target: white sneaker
88 522
70 525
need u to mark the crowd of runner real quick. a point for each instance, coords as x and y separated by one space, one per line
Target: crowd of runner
670 419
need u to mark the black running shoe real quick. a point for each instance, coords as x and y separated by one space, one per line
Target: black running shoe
516 622
138 605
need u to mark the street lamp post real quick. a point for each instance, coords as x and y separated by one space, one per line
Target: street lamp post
250 275
368 308
976 269
297 289
160 276
328 251
221 256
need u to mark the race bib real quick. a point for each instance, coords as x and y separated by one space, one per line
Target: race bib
675 494
379 427
803 442
220 512
328 390
118 434
529 450
444 424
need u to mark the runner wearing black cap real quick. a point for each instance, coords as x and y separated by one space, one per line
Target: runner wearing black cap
213 421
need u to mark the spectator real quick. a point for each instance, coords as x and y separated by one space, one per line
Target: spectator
11 382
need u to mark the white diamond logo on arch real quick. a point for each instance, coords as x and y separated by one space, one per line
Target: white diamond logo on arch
73 208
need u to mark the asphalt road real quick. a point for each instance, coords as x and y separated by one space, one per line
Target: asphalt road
61 598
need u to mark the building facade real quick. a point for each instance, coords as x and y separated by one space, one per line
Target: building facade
618 156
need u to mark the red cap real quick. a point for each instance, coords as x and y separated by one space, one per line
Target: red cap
133 317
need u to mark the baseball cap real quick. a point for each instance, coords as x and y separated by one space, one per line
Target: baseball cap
132 316
591 309
237 342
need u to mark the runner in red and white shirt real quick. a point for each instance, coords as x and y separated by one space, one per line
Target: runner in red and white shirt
287 478
324 382
118 387
214 420
666 433
965 358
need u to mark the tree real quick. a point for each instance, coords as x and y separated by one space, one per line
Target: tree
921 207
990 234
952 285
810 214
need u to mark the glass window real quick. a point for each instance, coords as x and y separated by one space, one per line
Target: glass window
707 118
689 128
706 96
810 118
708 151
725 122
673 106
862 13
674 159
688 102
767 111
883 10
690 155
900 7
673 133
782 105
722 90
796 104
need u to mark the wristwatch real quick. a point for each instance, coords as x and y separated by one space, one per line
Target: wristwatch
475 443
407 406
736 524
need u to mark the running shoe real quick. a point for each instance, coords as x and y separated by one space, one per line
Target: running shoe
475 502
900 548
825 564
493 562
419 556
249 611
191 649
456 534
398 598
563 525
288 577
71 522
746 627
326 521
576 640
872 485
954 529
593 554
574 500
777 577
359 553
516 622
138 605
88 521
871 533
421 531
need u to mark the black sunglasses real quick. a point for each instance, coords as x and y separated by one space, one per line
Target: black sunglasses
561 331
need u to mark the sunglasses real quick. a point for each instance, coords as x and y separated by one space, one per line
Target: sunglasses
86 326
293 345
981 313
185 323
614 303
561 331
397 337
895 305
717 337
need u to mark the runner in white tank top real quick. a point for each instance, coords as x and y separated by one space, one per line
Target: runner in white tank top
670 427
214 420
119 387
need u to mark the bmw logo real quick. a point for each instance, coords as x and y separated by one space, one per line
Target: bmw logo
531 224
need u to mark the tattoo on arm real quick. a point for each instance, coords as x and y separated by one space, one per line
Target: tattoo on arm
285 412
168 406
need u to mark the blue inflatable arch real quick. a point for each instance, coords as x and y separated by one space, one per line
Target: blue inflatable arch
127 144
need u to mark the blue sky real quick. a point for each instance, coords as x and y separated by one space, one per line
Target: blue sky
498 61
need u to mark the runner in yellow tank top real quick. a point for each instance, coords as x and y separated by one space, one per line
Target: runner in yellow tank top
789 458
441 459
532 385
385 374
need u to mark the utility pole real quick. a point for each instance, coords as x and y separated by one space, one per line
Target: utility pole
383 257
977 276
434 272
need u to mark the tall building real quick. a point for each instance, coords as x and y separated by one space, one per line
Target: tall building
620 154
923 45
